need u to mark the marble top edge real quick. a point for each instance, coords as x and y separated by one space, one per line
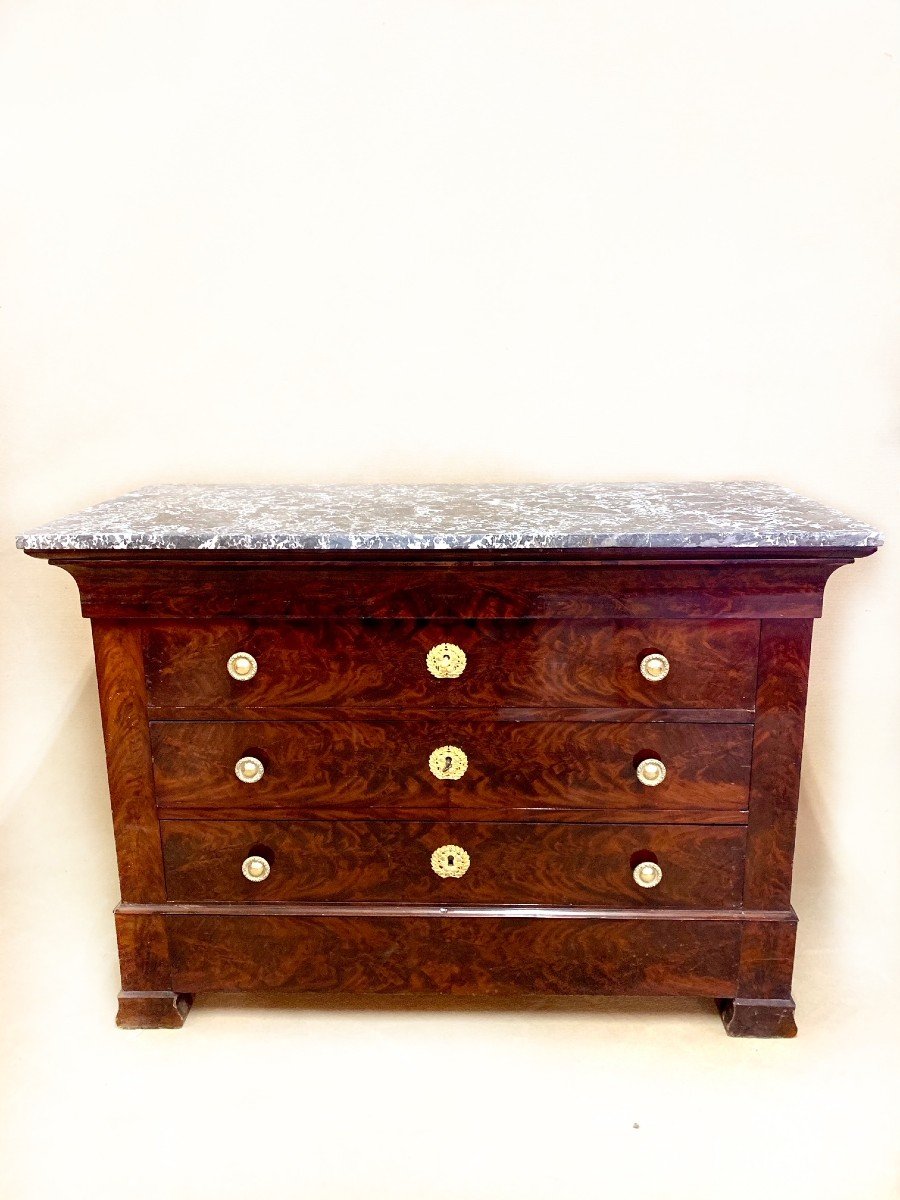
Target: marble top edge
453 517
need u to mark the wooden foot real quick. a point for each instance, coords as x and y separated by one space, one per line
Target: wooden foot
758 1018
153 1010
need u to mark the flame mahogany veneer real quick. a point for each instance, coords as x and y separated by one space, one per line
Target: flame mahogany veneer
554 715
580 769
512 863
521 664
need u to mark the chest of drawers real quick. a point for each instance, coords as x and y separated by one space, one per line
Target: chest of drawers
480 740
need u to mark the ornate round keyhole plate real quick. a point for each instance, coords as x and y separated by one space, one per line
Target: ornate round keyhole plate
450 862
448 762
446 661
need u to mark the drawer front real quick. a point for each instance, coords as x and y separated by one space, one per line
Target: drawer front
640 955
701 866
712 664
384 767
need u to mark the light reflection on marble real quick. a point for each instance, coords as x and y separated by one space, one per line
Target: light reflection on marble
452 516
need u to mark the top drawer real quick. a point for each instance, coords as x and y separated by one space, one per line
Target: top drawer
579 664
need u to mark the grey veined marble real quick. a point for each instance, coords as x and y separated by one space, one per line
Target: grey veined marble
451 516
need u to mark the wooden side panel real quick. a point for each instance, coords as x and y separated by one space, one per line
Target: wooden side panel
783 671
767 959
509 863
123 707
146 1000
459 955
762 1006
143 951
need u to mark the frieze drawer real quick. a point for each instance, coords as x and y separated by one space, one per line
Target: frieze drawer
241 666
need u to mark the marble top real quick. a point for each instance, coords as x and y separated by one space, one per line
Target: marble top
452 516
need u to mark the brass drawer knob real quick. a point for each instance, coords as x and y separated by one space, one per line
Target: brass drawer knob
446 661
242 666
249 769
654 667
448 762
255 868
647 874
450 862
650 772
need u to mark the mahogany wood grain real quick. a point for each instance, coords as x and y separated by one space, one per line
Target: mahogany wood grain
417 585
357 765
510 863
146 1000
123 708
767 959
553 715
636 814
461 956
646 716
509 663
143 950
777 748
762 1005
153 1010
371 908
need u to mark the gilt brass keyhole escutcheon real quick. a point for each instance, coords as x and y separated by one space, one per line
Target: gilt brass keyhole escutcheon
446 661
450 862
448 762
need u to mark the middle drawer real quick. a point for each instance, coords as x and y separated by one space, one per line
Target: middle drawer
415 764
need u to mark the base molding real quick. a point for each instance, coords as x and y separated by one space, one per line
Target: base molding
153 1010
743 1017
181 950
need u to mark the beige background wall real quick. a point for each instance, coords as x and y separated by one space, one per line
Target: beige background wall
446 240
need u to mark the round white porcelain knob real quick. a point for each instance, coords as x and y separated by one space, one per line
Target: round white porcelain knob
654 667
242 666
255 868
647 874
249 769
650 772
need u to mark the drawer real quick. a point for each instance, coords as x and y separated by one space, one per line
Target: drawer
641 954
385 766
711 664
700 865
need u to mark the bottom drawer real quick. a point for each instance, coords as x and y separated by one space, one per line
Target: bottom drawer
699 866
641 955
